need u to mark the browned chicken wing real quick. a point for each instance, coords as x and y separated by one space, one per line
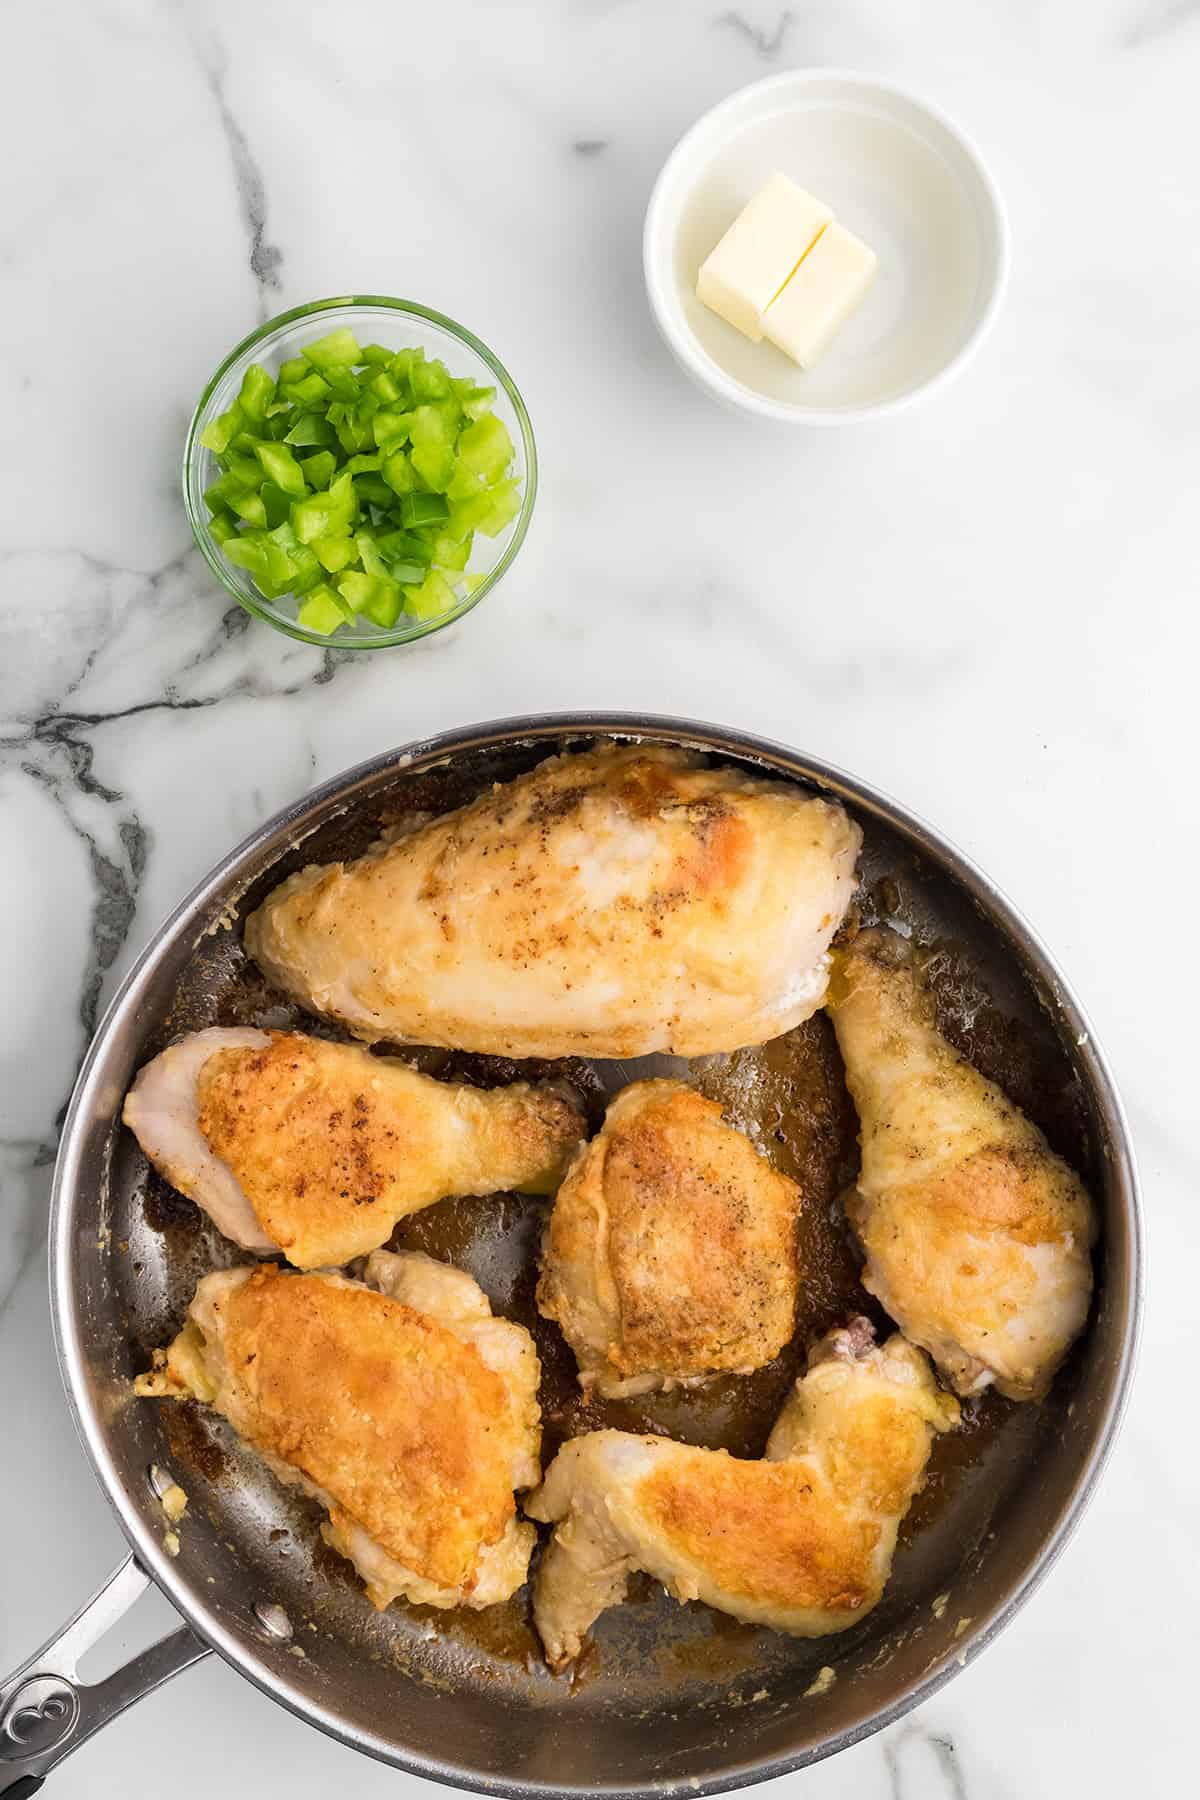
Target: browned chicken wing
801 1541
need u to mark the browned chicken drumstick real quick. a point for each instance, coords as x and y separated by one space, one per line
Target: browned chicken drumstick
977 1235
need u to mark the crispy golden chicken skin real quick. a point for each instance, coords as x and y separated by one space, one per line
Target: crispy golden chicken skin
801 1541
316 1149
671 1250
411 1419
977 1235
608 904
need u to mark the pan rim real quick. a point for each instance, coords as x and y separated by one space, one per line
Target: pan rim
715 739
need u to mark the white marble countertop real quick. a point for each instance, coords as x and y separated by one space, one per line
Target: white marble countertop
986 607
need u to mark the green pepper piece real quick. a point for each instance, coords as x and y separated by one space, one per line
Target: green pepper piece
243 471
319 470
435 464
294 369
334 553
431 428
452 553
408 573
373 488
307 392
217 496
339 350
306 570
248 551
280 567
475 401
219 432
344 385
430 380
257 392
279 465
489 511
404 362
385 387
310 428
404 546
368 553
329 514
378 354
485 452
434 597
423 509
391 428
352 436
290 564
376 595
277 503
221 528
364 465
322 610
249 507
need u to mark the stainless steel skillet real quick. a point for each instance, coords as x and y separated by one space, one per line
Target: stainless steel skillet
674 1698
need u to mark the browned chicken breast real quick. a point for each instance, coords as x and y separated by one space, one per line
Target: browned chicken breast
671 1252
316 1149
801 1541
610 904
410 1413
977 1235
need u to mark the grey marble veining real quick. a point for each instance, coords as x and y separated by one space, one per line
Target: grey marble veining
765 41
986 607
265 258
1156 20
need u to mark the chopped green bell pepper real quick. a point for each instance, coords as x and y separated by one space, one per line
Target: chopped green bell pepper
319 470
322 610
280 466
377 596
310 429
257 392
219 432
423 509
434 597
405 464
339 350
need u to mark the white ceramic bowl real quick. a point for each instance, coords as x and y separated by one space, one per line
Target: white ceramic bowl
899 175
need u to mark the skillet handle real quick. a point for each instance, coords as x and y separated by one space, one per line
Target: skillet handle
46 1711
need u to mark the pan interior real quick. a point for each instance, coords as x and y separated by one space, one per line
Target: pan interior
666 1693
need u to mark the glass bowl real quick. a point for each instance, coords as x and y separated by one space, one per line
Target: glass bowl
396 323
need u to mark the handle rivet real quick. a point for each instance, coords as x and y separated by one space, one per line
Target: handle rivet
273 1619
160 1479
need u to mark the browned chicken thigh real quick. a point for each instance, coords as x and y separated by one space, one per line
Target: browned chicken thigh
398 1402
671 1250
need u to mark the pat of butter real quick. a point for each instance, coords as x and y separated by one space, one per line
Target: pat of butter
821 295
754 259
